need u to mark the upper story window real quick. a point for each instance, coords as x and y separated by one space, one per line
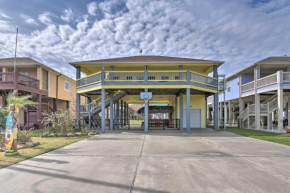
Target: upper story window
66 85
45 80
229 86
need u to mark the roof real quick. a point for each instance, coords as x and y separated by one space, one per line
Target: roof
146 60
19 62
277 60
25 61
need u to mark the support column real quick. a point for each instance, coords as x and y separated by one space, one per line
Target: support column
39 117
118 114
280 110
111 111
78 99
125 113
269 117
216 101
225 113
207 113
103 111
175 109
288 111
146 116
257 99
181 111
188 110
230 113
257 111
122 113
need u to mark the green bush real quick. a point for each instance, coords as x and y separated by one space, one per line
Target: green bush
24 136
61 121
3 116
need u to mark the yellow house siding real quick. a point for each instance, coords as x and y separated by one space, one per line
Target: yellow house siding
51 85
197 102
68 95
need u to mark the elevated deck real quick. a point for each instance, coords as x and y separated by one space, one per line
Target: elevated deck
147 79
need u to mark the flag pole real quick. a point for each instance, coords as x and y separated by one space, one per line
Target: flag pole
15 50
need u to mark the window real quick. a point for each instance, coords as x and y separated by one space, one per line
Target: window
66 85
229 86
45 80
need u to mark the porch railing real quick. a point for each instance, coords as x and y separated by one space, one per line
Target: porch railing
28 81
91 79
286 77
152 76
202 79
266 81
17 78
249 86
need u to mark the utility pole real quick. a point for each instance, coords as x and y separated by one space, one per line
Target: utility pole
15 50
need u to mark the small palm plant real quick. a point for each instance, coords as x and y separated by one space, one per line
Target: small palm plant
20 101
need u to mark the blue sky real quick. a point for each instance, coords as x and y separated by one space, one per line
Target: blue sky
55 32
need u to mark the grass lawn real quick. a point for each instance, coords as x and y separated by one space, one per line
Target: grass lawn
46 145
282 138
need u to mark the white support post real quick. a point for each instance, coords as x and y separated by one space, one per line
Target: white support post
257 112
280 110
225 113
230 114
269 120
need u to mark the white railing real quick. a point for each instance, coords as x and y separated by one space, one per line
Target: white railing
264 108
244 113
153 76
251 109
286 77
202 79
91 79
268 80
249 86
166 76
125 76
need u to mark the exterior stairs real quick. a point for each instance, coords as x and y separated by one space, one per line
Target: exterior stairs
266 108
90 112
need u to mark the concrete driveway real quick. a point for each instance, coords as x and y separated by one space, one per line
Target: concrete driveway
161 161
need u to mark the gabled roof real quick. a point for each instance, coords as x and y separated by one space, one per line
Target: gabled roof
26 62
275 60
19 61
146 60
270 61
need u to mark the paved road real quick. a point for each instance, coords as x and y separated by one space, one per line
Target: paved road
170 161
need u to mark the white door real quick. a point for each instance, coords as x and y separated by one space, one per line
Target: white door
195 118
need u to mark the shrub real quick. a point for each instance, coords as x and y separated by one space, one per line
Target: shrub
61 121
24 136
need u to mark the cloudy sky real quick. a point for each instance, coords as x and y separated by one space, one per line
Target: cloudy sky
239 32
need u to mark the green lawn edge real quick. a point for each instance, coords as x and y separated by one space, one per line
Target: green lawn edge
280 138
46 145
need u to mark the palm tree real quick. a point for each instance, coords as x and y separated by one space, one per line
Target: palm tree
20 101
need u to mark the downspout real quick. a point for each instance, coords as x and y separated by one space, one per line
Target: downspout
56 93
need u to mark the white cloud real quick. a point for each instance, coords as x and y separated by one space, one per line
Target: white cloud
28 19
68 15
45 17
233 31
2 15
92 8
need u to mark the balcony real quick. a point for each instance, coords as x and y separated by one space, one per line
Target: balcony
15 80
180 78
278 77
